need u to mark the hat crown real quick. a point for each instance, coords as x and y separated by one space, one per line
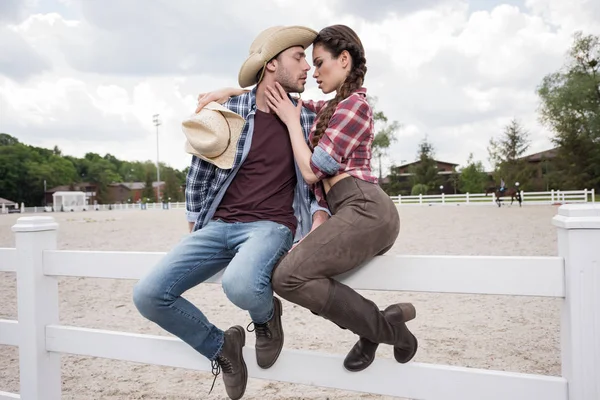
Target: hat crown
210 132
262 39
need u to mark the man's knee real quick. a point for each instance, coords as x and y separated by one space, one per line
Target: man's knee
244 293
146 299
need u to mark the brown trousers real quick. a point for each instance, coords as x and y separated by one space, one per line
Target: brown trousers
364 223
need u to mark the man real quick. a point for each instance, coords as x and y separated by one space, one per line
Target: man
245 204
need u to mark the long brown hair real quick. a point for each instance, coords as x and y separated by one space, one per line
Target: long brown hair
335 39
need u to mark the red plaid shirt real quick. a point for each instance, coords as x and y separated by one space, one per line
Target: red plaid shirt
347 139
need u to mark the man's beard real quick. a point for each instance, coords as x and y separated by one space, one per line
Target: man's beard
289 84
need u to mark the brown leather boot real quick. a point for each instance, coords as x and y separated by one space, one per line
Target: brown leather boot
231 362
361 355
269 337
406 344
363 352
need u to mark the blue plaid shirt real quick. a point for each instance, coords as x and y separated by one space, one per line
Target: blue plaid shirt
206 184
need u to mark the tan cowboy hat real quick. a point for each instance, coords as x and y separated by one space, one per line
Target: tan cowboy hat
213 134
268 44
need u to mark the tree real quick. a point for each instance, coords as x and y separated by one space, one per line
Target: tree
506 155
472 178
172 186
148 192
384 136
24 169
570 107
425 171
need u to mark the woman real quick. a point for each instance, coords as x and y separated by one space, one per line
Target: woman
364 221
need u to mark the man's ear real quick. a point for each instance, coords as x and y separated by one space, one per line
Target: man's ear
272 65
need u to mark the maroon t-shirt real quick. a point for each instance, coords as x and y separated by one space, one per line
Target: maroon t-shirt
263 188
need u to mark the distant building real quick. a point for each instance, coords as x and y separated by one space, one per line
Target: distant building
88 188
123 192
403 176
7 203
541 163
120 192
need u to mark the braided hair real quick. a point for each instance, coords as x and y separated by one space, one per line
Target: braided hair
335 39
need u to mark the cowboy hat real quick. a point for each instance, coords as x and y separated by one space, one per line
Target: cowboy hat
213 134
270 43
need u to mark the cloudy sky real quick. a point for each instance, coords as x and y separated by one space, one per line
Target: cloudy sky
88 75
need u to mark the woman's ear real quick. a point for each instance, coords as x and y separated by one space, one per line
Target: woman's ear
345 59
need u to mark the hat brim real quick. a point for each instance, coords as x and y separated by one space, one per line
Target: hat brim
277 42
236 123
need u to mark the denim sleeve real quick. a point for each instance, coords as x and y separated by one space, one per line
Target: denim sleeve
324 162
315 206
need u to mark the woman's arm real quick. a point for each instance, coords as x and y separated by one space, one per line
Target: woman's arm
220 96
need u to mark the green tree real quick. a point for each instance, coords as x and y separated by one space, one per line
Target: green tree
172 186
473 178
425 171
148 192
570 107
506 155
418 189
385 134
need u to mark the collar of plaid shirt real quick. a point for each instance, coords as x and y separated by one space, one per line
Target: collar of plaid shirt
206 184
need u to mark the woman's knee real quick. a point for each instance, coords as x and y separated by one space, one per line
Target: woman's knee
282 280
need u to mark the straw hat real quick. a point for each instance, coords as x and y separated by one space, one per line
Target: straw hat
268 44
213 134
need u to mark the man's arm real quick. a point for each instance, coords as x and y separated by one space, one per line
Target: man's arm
198 179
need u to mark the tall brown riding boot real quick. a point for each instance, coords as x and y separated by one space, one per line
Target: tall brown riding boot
363 352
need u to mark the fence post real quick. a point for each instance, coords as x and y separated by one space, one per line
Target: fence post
467 197
420 198
37 304
578 235
399 199
443 199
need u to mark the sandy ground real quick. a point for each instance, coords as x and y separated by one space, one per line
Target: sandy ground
494 332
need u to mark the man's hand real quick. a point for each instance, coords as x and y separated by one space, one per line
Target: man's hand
220 96
319 217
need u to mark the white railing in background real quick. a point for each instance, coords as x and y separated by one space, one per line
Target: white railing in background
553 197
574 276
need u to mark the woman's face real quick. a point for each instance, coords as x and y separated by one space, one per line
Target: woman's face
330 72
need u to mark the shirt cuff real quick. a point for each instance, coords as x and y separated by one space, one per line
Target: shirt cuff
314 207
322 164
192 216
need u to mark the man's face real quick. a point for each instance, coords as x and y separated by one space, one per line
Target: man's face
292 69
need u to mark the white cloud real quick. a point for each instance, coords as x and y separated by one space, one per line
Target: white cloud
92 81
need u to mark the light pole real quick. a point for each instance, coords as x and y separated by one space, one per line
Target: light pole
157 123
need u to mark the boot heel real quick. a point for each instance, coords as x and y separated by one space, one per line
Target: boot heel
408 311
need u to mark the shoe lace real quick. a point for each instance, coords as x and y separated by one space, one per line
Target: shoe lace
260 329
218 365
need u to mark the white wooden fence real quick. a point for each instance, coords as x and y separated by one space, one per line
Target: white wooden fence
480 199
472 199
574 275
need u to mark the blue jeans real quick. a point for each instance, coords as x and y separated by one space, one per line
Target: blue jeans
248 251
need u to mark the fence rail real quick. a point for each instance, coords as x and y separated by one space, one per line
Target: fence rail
477 199
574 276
